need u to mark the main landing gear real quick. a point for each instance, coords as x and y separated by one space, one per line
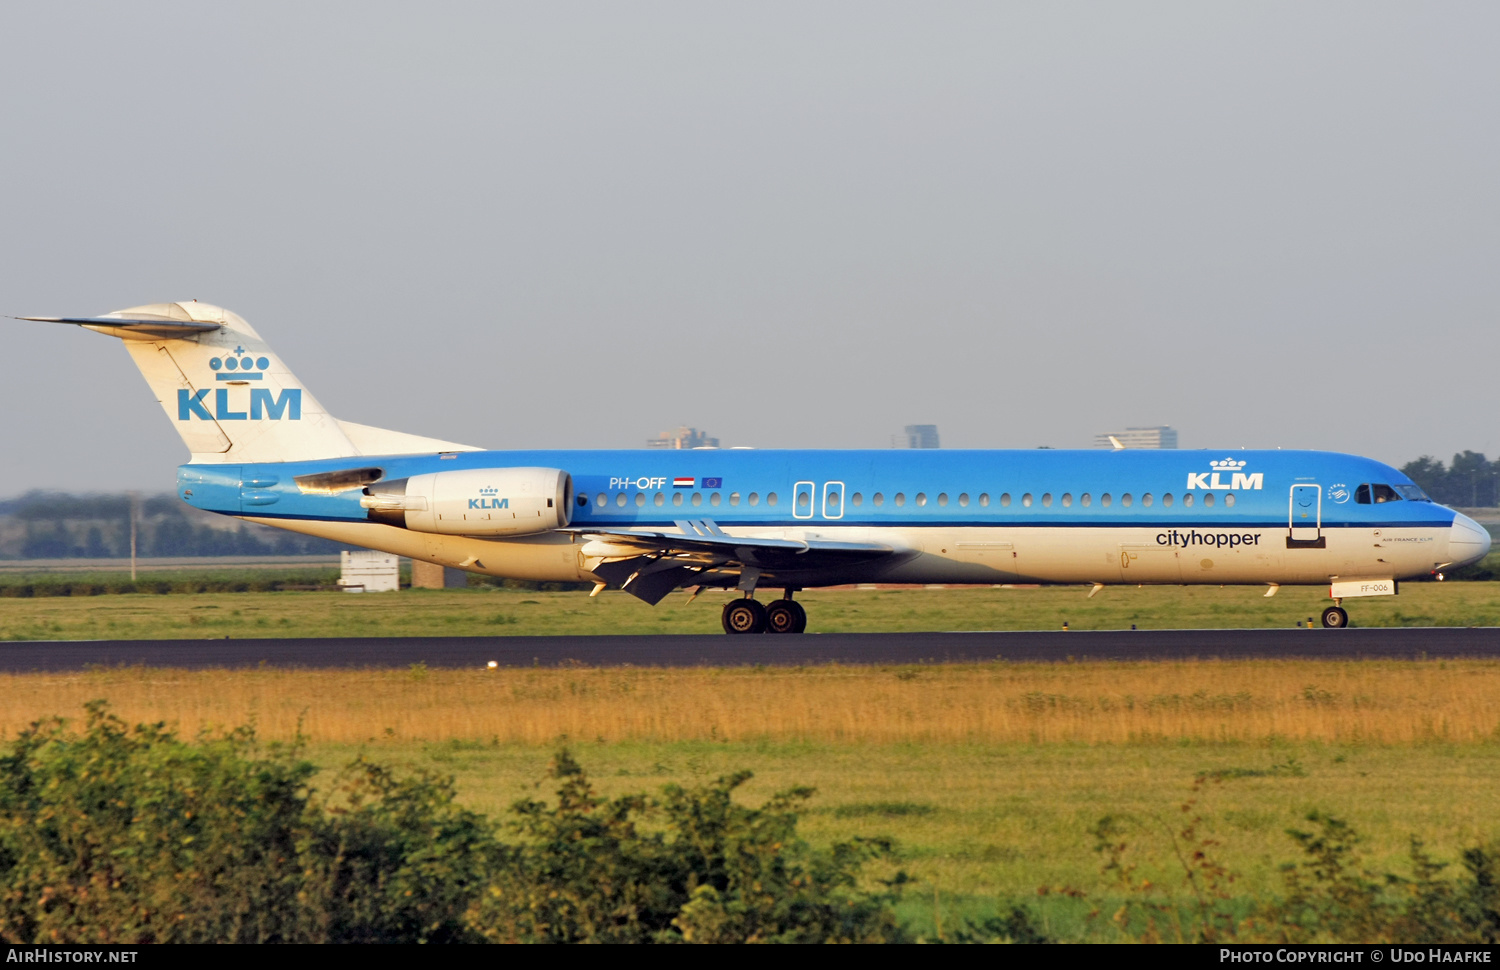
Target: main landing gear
747 615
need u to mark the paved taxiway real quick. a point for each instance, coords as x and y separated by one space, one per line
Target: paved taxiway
724 651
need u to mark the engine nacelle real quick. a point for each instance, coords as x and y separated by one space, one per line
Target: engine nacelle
475 501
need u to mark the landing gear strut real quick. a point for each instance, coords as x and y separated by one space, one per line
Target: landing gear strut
1335 618
785 615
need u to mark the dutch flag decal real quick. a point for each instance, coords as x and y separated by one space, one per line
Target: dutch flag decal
681 482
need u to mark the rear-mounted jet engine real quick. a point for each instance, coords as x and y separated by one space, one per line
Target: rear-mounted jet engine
474 502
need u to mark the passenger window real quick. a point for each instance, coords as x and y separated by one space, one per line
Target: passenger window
1085 500
676 498
963 500
1362 495
856 500
658 500
1105 500
1125 500
1166 500
1047 500
803 500
1026 500
583 499
600 499
1208 501
734 498
620 500
921 498
1384 493
640 499
1229 499
1187 501
831 500
984 499
714 499
770 498
900 499
697 498
1067 499
1005 500
943 498
1146 500
878 499
754 498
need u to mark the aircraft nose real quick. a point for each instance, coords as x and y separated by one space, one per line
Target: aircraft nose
1468 541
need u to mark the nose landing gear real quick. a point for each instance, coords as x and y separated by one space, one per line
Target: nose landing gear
785 615
1335 618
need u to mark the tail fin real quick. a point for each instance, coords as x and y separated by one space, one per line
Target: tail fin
230 398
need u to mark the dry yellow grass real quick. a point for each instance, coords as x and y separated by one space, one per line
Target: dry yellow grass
1109 703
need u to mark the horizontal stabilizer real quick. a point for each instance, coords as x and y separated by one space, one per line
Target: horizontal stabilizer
141 325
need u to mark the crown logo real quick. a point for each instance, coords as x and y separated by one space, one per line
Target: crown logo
237 367
489 491
1227 465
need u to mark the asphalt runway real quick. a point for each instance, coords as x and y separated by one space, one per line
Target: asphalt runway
719 650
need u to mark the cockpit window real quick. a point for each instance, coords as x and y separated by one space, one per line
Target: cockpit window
1413 493
1384 493
1362 495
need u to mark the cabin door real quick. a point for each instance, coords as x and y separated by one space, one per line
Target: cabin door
1305 518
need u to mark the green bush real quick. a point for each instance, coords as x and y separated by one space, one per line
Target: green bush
118 834
589 870
130 835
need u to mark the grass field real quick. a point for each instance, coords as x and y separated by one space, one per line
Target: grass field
990 776
502 612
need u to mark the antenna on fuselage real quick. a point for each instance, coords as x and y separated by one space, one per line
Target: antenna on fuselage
1116 442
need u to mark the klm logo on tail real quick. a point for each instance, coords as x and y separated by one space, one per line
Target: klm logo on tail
263 405
238 368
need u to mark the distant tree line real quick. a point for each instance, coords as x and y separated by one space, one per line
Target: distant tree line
1470 480
57 525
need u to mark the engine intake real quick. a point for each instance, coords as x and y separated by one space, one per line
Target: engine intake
474 501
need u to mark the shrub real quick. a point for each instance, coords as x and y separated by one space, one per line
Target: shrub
713 872
130 835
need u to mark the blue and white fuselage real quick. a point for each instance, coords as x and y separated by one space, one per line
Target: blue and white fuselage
652 521
1280 517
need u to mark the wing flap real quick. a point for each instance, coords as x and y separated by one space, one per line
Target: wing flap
650 564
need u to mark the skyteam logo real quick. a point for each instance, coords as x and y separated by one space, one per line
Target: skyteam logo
237 368
1233 470
487 500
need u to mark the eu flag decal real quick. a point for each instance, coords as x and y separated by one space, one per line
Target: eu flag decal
713 483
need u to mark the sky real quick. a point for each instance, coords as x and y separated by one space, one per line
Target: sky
793 225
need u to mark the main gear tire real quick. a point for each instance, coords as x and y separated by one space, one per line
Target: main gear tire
744 616
785 616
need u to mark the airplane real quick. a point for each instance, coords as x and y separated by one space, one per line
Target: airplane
264 450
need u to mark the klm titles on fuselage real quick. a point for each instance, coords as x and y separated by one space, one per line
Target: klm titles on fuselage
1239 481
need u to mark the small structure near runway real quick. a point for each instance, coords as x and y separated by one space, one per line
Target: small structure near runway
430 575
369 572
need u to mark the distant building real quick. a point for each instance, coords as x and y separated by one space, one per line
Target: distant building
683 438
1160 436
917 436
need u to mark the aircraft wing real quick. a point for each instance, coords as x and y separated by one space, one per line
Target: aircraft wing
651 564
